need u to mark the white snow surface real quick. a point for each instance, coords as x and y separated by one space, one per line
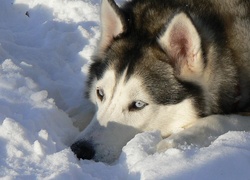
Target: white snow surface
45 49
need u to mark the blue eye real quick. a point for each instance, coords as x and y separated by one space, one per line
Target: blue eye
137 105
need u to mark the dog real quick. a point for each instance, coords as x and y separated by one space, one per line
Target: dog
181 67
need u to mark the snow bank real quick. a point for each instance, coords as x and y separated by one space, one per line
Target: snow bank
45 48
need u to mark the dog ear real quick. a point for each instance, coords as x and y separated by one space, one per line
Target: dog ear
112 23
182 43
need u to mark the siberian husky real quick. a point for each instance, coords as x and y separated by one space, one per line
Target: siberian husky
178 66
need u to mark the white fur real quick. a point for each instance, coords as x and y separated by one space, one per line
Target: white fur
119 95
114 125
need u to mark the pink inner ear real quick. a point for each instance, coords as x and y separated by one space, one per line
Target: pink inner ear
180 43
111 24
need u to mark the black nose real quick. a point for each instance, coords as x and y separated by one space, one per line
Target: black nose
83 150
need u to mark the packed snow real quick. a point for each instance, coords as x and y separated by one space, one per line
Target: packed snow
45 50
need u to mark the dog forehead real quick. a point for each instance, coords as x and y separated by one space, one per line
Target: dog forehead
135 55
115 80
108 79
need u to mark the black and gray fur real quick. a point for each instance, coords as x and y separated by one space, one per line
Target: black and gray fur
137 48
224 29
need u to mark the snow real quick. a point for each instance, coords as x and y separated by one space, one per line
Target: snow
45 49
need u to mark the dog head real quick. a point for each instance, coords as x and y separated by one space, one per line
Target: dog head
142 79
